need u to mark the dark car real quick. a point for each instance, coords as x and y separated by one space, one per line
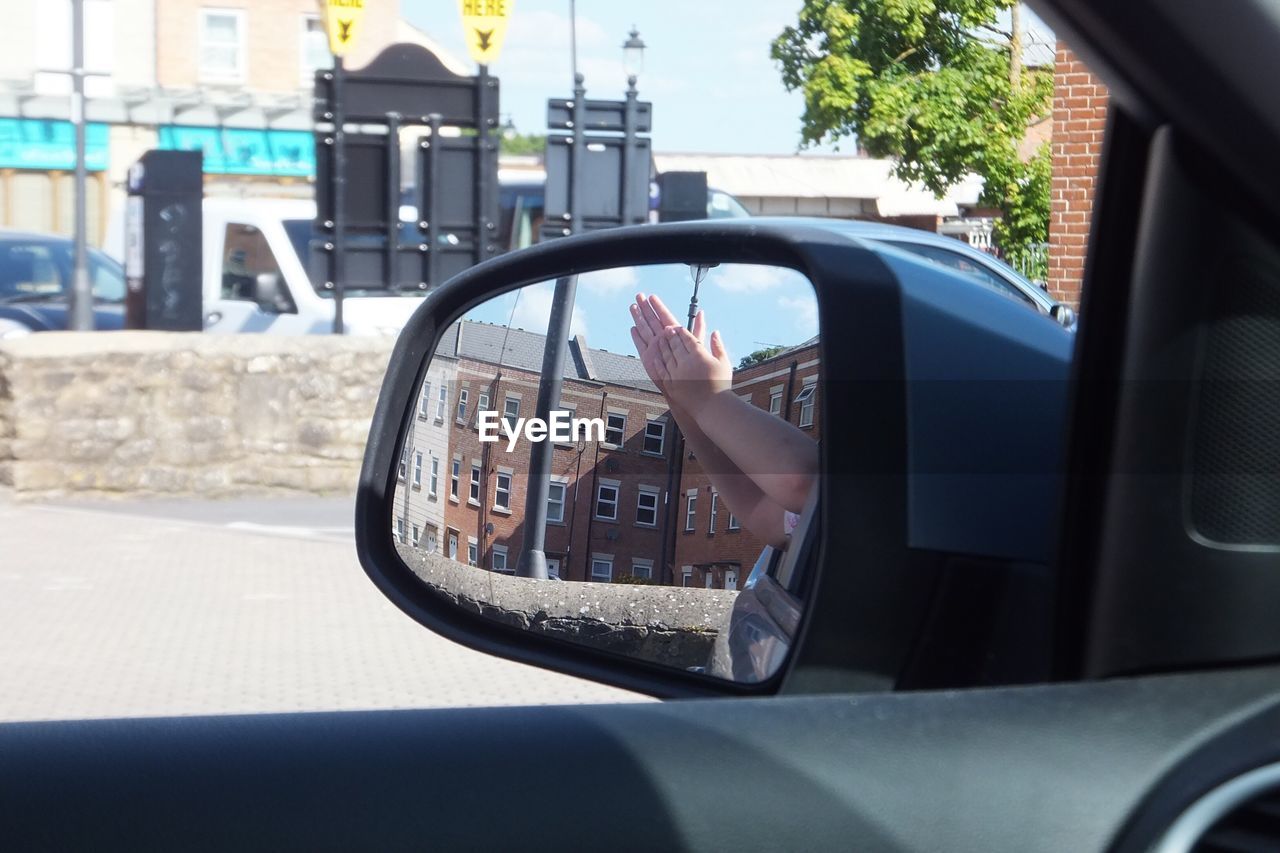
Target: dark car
36 272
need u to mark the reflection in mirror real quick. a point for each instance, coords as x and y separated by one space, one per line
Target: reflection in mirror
626 459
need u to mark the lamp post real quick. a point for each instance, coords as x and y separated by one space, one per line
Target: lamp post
633 57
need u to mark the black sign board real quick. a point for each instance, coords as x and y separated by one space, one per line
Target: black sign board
164 239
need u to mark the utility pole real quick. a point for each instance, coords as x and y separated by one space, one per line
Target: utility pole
80 315
533 556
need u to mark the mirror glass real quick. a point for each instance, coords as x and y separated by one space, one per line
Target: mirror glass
627 459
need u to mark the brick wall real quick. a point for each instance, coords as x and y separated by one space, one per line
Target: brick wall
1079 120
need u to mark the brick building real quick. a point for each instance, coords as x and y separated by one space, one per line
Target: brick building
711 548
1079 122
605 517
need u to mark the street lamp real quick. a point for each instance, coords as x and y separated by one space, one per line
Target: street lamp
633 56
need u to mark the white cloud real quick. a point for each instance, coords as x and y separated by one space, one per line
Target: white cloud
803 311
609 281
754 278
533 312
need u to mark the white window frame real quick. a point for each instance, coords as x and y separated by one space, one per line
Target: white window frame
715 511
607 560
417 469
805 400
499 491
435 475
558 518
733 522
306 71
417 535
464 396
482 404
241 71
639 565
400 530
570 409
402 472
648 491
622 430
455 478
617 498
473 551
686 575
442 402
662 436
775 403
424 403
509 417
499 551
473 485
691 511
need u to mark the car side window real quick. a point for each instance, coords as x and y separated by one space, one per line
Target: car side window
108 279
28 270
960 263
246 254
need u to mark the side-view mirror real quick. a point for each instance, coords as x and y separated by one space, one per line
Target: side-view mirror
267 292
566 466
1064 314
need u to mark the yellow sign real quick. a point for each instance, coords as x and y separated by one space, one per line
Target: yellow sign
484 25
342 21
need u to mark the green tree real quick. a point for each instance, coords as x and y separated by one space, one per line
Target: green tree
938 85
758 356
523 143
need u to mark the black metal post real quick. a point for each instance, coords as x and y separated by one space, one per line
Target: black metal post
434 202
393 195
80 314
533 557
628 148
486 122
339 194
577 154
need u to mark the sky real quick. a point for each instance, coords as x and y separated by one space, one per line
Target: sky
707 68
752 306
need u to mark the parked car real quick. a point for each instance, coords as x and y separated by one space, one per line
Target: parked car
36 272
984 268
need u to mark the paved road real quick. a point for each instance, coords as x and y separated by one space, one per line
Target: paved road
236 607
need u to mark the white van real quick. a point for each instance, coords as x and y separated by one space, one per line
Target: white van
255 274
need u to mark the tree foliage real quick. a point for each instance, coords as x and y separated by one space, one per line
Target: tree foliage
758 356
523 143
933 85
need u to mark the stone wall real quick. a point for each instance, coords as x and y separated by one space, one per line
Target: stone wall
665 625
154 413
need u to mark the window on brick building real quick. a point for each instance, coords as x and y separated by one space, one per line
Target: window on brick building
511 412
463 395
647 506
691 511
805 401
498 559
607 501
686 575
715 511
642 569
502 491
482 402
455 475
615 429
314 48
473 551
602 567
555 502
775 403
222 48
474 495
655 433
733 522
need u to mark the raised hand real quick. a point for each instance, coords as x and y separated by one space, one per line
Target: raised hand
692 373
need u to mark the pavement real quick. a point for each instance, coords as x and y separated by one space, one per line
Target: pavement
179 608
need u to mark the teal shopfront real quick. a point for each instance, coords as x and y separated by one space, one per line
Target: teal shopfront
37 186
